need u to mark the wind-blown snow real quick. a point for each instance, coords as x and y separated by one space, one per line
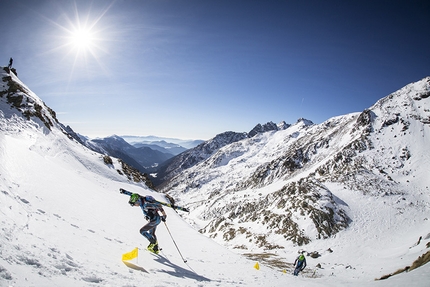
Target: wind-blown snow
64 223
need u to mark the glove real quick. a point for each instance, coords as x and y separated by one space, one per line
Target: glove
163 218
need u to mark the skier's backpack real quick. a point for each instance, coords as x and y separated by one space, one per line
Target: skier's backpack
149 198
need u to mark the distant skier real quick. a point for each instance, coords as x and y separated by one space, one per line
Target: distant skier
10 63
151 209
300 264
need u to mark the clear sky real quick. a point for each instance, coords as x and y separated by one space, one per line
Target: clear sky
192 69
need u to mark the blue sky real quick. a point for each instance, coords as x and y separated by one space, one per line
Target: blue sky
192 69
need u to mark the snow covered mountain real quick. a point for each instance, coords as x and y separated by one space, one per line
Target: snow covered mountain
64 223
191 157
227 176
142 158
285 188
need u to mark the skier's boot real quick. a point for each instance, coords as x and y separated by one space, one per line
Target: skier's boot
153 247
156 249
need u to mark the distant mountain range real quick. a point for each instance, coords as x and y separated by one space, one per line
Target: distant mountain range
168 143
152 154
140 152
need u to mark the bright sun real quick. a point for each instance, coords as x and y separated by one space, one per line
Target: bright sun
83 33
82 39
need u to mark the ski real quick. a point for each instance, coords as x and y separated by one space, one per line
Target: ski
175 207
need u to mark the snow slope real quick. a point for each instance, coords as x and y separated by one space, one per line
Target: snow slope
64 223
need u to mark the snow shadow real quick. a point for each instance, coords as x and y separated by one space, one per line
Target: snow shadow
178 271
339 201
134 266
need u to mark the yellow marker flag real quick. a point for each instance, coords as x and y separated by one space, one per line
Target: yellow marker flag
130 255
257 266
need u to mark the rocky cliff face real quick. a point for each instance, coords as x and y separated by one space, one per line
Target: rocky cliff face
21 99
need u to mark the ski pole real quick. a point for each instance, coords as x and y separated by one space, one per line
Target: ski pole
185 261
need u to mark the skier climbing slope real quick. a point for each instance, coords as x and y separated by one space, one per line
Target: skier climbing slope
151 209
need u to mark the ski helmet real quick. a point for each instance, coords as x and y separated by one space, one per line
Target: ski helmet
134 198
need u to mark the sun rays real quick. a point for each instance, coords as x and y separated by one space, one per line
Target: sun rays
81 38
84 35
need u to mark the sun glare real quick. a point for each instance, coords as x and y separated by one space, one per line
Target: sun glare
82 39
82 34
83 31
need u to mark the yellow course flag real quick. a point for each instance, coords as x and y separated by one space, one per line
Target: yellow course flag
257 266
130 255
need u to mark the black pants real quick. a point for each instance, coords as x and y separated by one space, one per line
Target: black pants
149 229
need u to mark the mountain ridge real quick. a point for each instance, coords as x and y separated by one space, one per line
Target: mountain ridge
371 152
195 155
